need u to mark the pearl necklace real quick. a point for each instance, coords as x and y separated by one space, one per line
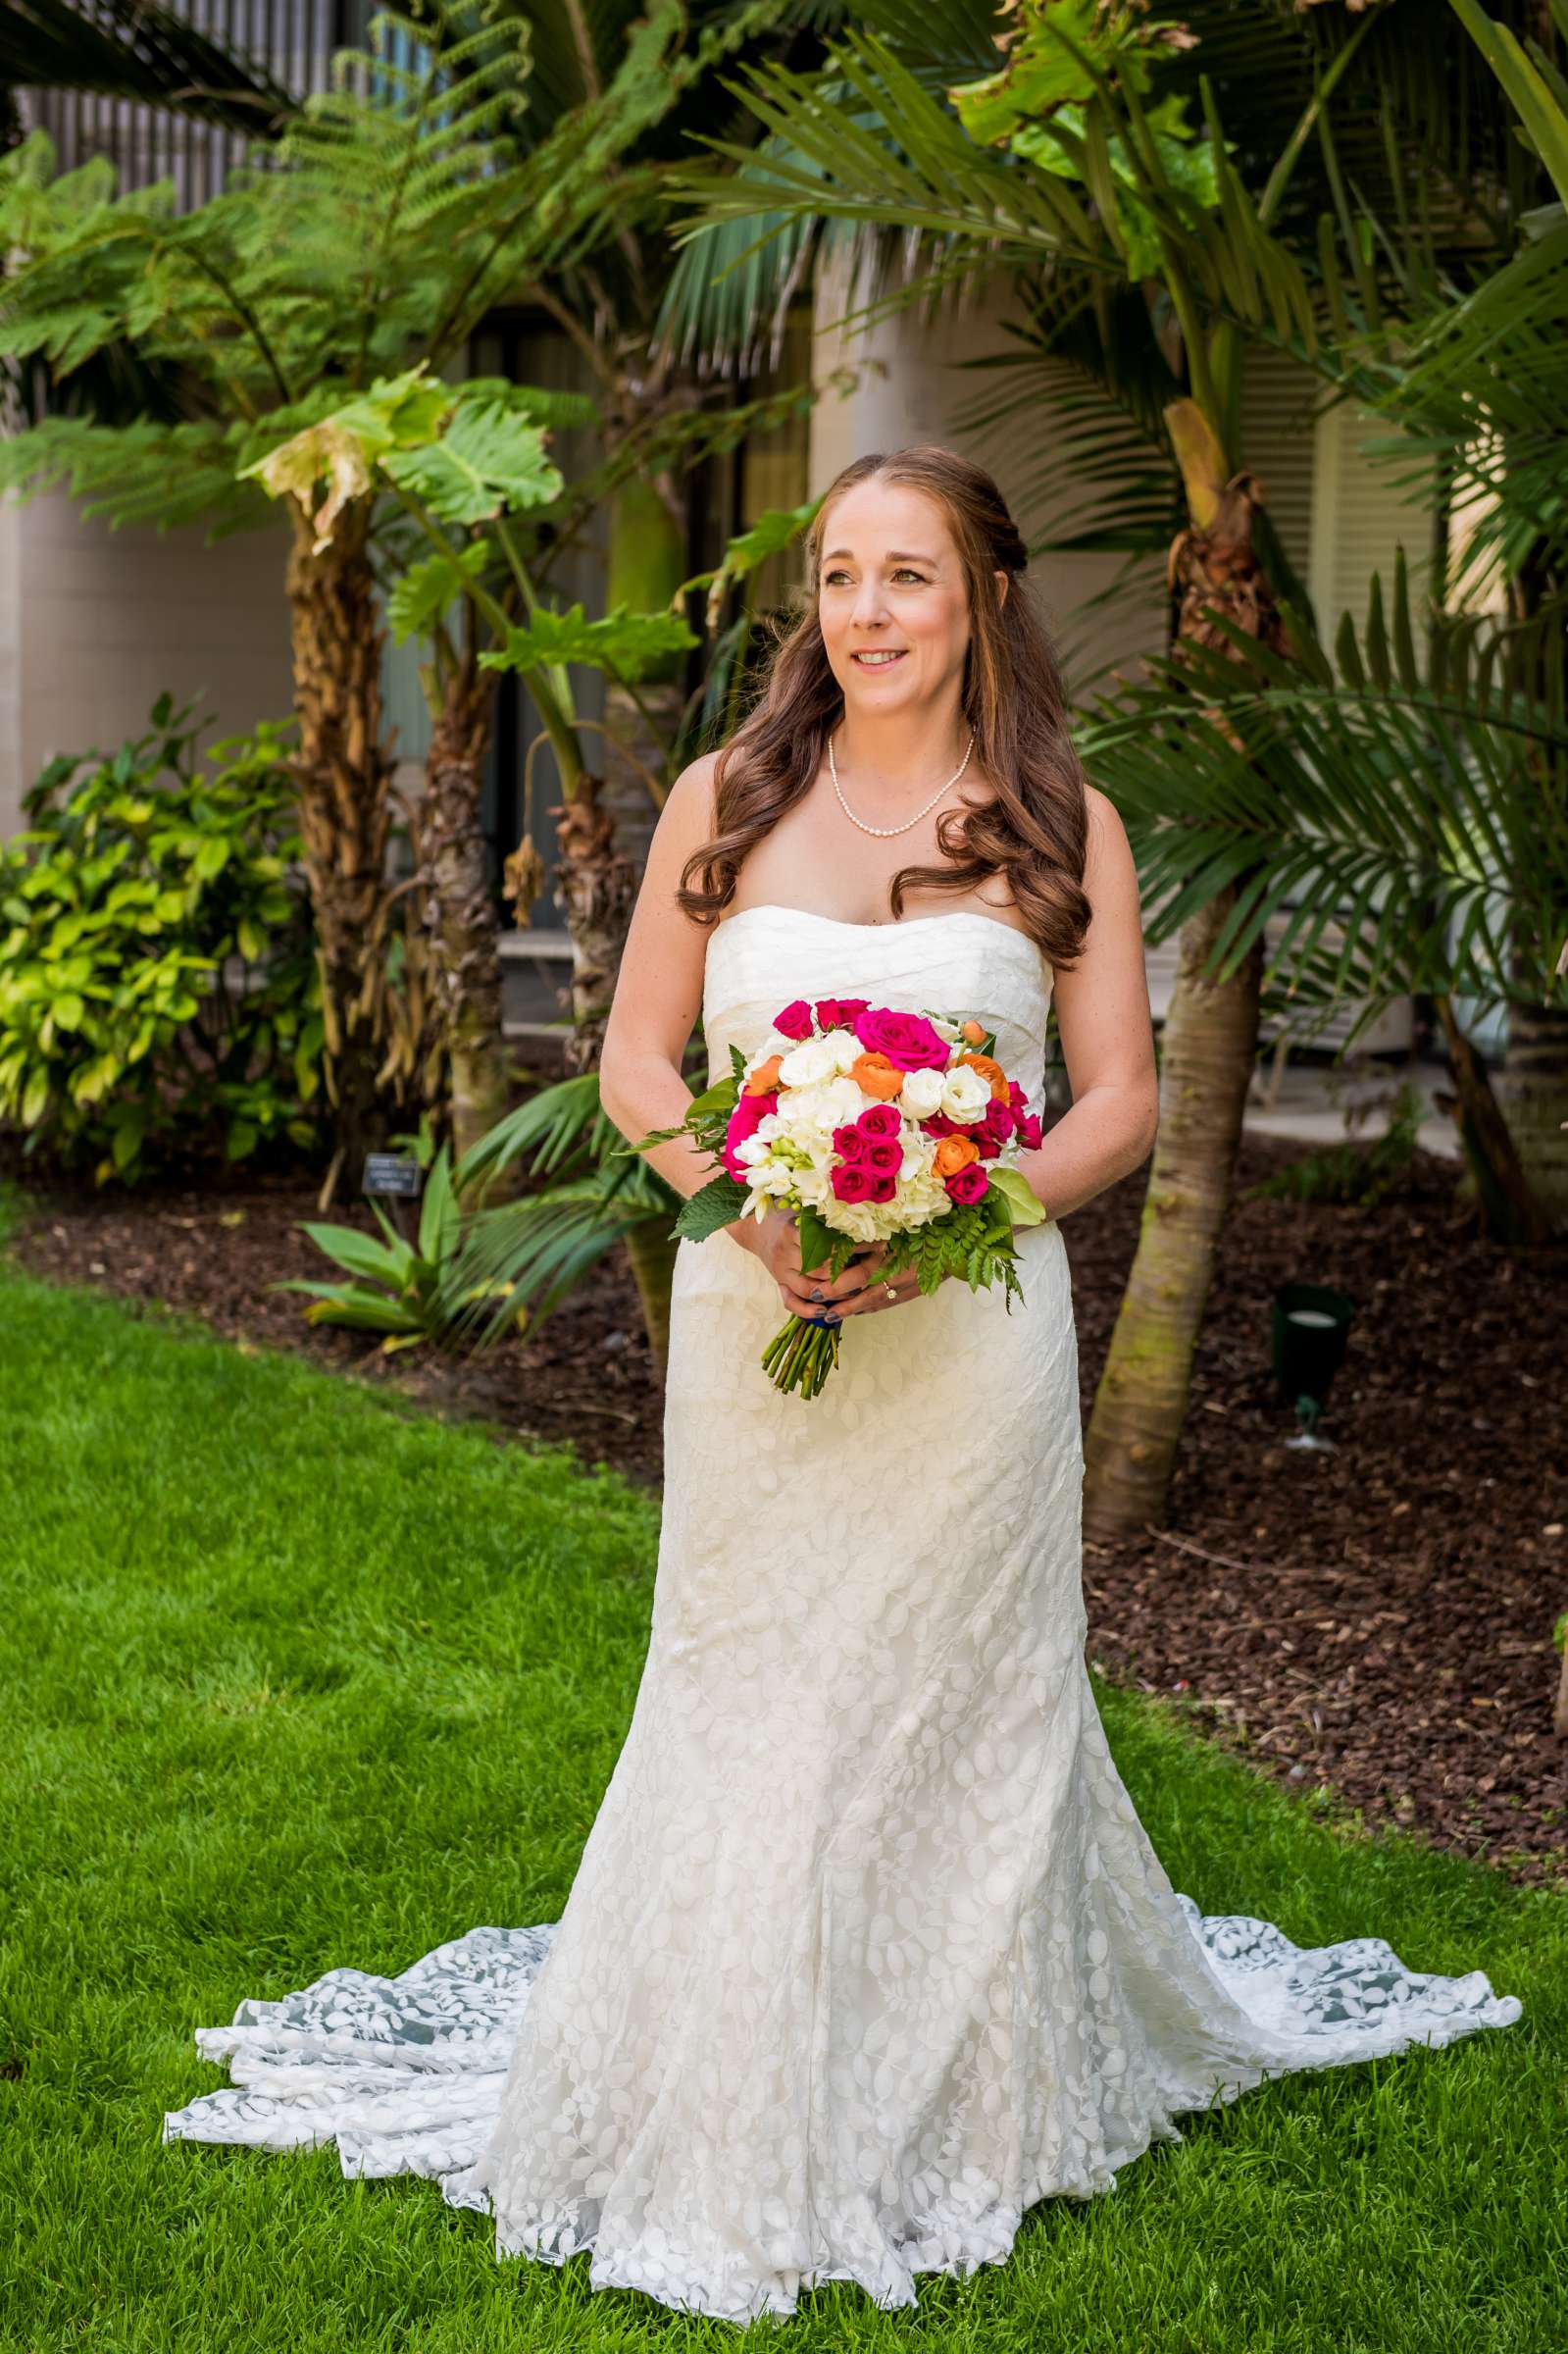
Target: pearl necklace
832 771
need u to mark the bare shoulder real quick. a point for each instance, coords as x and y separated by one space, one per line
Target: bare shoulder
689 801
1107 836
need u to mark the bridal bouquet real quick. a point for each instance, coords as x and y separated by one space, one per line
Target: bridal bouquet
870 1124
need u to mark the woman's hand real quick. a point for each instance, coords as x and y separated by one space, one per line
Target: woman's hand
861 1289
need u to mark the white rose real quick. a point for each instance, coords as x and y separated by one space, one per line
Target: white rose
825 1105
922 1092
965 1093
813 1060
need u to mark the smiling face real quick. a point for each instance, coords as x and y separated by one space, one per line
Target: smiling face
893 601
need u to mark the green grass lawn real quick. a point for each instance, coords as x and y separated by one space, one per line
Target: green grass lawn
296 1676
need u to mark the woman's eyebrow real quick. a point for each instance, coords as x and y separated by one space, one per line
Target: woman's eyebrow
895 555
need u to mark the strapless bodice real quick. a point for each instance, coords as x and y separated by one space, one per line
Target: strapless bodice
964 964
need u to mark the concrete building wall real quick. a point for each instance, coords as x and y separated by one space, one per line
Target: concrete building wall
95 624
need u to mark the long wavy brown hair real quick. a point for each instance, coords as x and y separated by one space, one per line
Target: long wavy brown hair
1033 832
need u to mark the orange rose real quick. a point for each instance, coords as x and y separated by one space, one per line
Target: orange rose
765 1078
972 1030
990 1071
876 1076
954 1153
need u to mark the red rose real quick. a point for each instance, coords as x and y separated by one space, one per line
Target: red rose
853 1181
969 1183
795 1019
851 1143
840 1013
880 1120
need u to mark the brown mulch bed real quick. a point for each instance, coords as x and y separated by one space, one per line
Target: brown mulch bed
1375 1622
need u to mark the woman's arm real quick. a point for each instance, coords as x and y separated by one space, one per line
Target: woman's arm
1102 1013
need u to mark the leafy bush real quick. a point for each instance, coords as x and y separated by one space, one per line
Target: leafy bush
159 990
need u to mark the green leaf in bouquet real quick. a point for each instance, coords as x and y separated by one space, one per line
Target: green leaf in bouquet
1024 1203
817 1240
713 1205
721 1097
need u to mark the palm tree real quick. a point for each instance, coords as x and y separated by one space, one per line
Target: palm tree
1074 170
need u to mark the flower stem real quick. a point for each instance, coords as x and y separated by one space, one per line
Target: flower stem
802 1354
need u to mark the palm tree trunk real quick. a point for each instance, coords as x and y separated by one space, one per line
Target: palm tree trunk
458 909
651 1249
343 767
1207 1061
649 549
1510 1207
597 889
1534 1095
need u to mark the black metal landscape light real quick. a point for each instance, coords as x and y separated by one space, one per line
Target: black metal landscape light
1311 1326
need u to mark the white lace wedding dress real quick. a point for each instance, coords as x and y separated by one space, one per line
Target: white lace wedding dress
867 1951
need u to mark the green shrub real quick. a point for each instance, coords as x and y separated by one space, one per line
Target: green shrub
158 992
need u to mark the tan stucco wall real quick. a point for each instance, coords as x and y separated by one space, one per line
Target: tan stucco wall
94 624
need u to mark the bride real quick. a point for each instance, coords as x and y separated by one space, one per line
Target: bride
867 1951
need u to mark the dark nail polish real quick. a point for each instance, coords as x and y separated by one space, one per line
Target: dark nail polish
816 1291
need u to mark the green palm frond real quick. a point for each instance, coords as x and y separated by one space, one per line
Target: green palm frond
1420 822
557 1128
529 1254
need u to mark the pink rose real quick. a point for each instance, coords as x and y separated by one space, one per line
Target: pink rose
840 1013
884 1189
1029 1132
998 1121
884 1156
853 1181
851 1143
968 1183
906 1039
795 1019
940 1125
1017 1098
880 1120
986 1144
